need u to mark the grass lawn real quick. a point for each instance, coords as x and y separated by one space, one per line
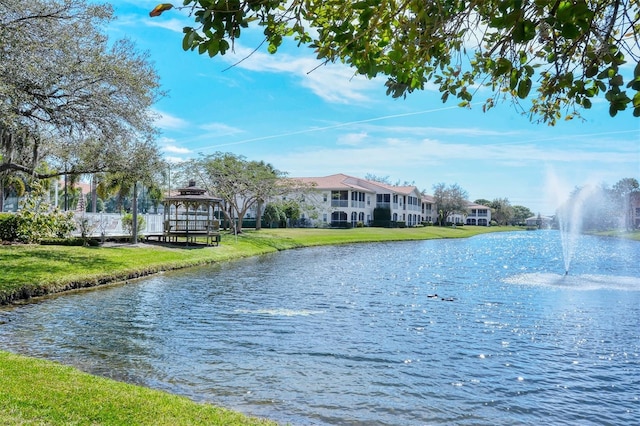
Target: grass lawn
37 392
629 235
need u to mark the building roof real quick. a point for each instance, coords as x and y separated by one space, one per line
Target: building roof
341 181
338 181
476 206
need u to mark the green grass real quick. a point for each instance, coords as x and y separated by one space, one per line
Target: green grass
628 235
37 392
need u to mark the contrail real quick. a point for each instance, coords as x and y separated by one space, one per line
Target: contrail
334 126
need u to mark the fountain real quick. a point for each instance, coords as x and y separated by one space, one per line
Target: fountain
570 220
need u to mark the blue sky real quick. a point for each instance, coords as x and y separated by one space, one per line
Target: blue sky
315 121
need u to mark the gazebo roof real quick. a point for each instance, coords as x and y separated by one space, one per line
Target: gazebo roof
192 193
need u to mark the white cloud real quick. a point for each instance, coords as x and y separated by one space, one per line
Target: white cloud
352 139
335 83
175 160
176 149
174 25
168 121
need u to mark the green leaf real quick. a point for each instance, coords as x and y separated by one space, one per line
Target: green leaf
503 66
591 71
617 80
613 110
570 31
586 103
564 12
513 80
186 40
213 47
524 87
518 32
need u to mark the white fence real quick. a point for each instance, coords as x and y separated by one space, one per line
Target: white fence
110 224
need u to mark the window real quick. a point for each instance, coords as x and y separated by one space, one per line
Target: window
340 198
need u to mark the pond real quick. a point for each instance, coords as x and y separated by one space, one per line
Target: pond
354 334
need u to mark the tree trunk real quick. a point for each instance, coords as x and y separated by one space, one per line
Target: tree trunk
134 214
259 215
94 194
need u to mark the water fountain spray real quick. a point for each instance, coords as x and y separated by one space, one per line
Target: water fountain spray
570 219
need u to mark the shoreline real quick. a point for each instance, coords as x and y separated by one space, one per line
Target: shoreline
111 265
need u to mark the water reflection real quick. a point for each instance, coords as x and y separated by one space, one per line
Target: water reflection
349 334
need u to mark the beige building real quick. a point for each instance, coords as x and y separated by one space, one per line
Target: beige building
340 200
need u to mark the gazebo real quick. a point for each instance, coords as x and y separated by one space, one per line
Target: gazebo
191 214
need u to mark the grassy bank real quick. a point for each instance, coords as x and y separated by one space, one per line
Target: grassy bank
29 270
37 392
627 235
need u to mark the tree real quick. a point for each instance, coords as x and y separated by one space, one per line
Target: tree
292 211
70 97
520 214
273 214
560 54
621 195
375 178
625 186
483 202
240 183
449 200
502 212
283 212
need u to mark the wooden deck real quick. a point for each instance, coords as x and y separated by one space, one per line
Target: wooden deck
190 231
213 238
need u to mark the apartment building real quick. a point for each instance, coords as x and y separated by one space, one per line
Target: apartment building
342 200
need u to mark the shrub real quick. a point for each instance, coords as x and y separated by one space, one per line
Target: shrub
127 223
69 242
8 227
37 219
